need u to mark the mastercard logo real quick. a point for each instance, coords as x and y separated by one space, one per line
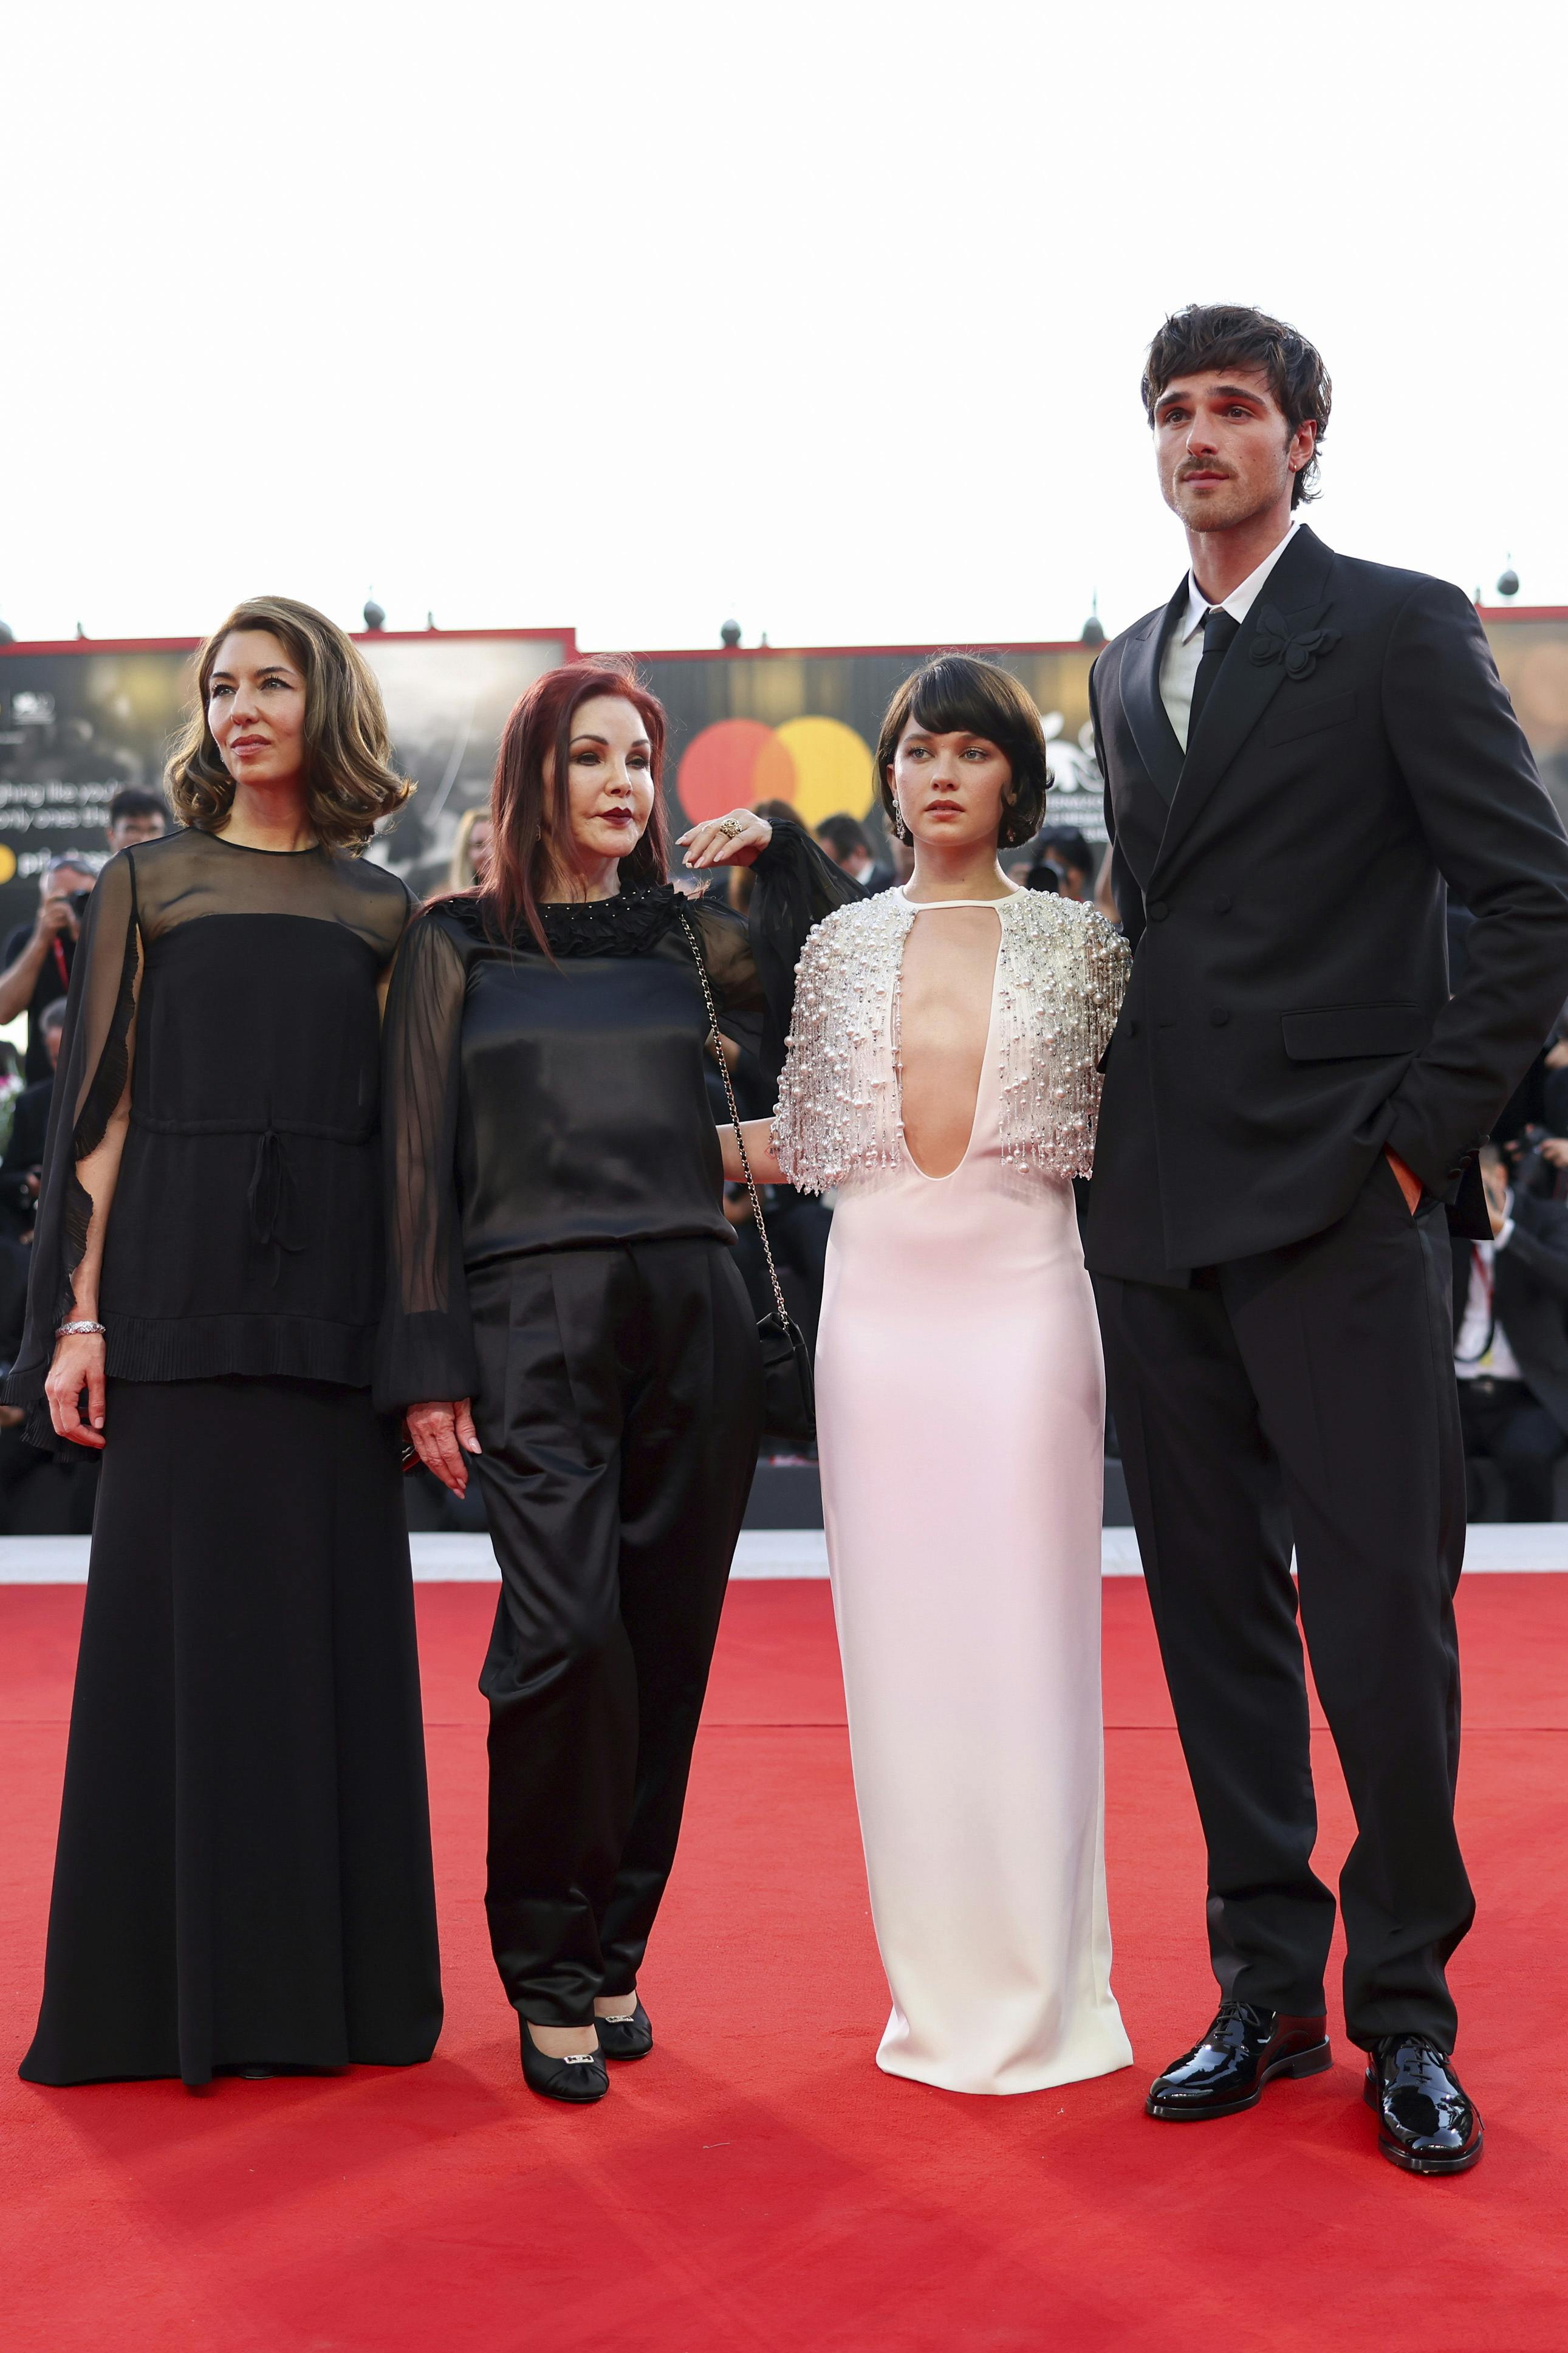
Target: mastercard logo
819 767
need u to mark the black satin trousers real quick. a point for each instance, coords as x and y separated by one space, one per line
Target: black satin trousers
619 1410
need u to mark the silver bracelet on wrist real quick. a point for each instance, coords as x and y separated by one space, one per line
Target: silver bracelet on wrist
64 1331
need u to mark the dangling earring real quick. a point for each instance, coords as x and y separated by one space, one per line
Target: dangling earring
899 828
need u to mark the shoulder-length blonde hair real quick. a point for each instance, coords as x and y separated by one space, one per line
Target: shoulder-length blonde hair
463 873
349 782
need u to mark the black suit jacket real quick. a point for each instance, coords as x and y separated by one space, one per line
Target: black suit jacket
1530 1297
1288 1013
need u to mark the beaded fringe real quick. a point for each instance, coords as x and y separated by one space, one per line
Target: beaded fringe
1062 974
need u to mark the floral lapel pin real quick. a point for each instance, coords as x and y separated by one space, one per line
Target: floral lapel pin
1273 642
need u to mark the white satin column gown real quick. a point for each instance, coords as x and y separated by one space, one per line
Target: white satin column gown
961 1416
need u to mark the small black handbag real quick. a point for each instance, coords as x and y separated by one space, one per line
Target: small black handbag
789 1393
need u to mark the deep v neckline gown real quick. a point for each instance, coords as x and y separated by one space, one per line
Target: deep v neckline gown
961 1410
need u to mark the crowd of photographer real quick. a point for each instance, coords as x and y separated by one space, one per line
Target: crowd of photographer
1510 1295
1510 1331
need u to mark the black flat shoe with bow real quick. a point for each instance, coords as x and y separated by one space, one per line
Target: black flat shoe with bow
1427 2123
1226 2073
625 2038
578 2078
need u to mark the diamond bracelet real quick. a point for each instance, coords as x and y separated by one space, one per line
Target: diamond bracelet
64 1331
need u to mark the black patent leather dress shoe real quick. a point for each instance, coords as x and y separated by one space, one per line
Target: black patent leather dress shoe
579 2077
1427 2124
625 2038
1226 2070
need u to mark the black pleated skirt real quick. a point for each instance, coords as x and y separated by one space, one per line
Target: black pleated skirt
243 1877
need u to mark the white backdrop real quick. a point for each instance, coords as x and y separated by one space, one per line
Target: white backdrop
828 316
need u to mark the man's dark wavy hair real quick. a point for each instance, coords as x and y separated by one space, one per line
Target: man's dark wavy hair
1233 335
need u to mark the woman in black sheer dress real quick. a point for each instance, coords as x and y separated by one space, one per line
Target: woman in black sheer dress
243 1877
563 1311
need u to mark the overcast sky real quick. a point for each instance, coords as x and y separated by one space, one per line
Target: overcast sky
826 316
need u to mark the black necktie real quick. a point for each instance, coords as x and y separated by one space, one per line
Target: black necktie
1219 635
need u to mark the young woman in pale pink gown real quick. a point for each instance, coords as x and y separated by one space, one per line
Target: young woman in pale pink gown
941 1075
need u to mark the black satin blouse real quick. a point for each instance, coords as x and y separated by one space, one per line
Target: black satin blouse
536 1105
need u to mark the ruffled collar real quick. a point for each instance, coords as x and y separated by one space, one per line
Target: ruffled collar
629 924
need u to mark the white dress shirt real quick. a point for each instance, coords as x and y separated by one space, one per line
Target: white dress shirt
1185 646
1480 1348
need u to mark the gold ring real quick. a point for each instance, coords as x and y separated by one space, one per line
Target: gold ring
731 826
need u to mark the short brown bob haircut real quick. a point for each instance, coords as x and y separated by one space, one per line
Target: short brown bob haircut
349 782
1208 336
957 695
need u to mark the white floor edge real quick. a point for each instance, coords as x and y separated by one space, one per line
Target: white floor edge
1539 1548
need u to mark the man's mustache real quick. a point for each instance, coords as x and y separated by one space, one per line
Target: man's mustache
1203 466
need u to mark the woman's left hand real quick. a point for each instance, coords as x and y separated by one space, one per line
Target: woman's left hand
732 840
442 1432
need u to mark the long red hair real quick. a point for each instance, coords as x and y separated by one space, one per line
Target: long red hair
525 811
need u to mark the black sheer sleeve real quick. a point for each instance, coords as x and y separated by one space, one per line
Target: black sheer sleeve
425 1348
93 1075
753 970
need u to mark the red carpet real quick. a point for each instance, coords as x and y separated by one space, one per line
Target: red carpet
756 2186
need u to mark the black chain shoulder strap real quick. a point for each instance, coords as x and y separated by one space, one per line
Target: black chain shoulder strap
695 946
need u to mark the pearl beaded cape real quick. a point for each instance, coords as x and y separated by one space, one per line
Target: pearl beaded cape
1061 975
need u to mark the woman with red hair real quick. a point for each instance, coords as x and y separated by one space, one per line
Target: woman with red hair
564 1315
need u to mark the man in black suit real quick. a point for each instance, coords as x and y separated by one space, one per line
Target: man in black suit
1296 751
1510 1335
848 844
